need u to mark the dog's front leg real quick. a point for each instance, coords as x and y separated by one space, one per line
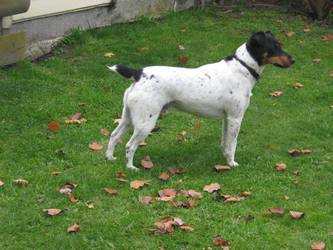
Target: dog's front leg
231 127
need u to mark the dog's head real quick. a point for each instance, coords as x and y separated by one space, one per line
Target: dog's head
266 49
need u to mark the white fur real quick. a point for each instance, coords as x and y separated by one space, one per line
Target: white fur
220 90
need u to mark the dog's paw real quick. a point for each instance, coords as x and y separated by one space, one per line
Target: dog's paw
133 168
233 164
110 157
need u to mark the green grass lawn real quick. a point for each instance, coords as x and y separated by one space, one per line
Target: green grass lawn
34 94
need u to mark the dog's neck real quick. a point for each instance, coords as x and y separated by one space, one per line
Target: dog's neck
243 54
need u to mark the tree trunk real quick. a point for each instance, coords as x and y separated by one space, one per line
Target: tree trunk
321 8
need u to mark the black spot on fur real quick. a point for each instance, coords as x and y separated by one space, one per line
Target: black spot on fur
152 76
209 77
150 116
129 72
230 92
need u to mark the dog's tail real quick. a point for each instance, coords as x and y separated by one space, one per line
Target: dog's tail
134 74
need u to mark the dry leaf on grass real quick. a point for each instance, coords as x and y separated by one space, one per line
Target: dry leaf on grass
139 183
95 146
21 182
182 59
82 120
194 194
1 183
110 191
218 241
168 192
147 163
298 151
246 193
67 188
121 179
147 199
56 173
276 210
105 131
53 211
234 199
186 204
296 215
54 126
164 176
109 54
74 228
168 225
181 47
143 144
89 205
219 168
71 197
276 93
175 172
212 187
316 60
120 174
280 166
318 246
296 182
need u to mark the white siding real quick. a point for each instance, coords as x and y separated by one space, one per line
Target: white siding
44 8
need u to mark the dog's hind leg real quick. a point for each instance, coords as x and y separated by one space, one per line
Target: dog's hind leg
122 128
142 128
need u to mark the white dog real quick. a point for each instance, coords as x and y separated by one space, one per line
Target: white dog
220 90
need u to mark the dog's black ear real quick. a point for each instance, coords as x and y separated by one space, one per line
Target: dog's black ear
257 39
256 45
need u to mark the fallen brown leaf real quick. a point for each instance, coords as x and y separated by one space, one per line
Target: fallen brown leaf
89 205
95 146
1 183
290 34
276 93
54 126
120 174
280 166
178 171
296 182
307 30
234 199
116 120
146 162
318 246
331 75
139 183
109 54
144 48
194 194
316 60
169 192
296 215
147 199
183 133
286 197
71 197
121 179
143 144
276 210
53 211
181 47
110 191
218 241
74 228
21 182
187 227
219 168
246 193
105 131
56 173
164 176
212 187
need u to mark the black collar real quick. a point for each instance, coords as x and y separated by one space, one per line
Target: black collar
251 70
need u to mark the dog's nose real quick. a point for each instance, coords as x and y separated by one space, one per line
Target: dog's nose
292 60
